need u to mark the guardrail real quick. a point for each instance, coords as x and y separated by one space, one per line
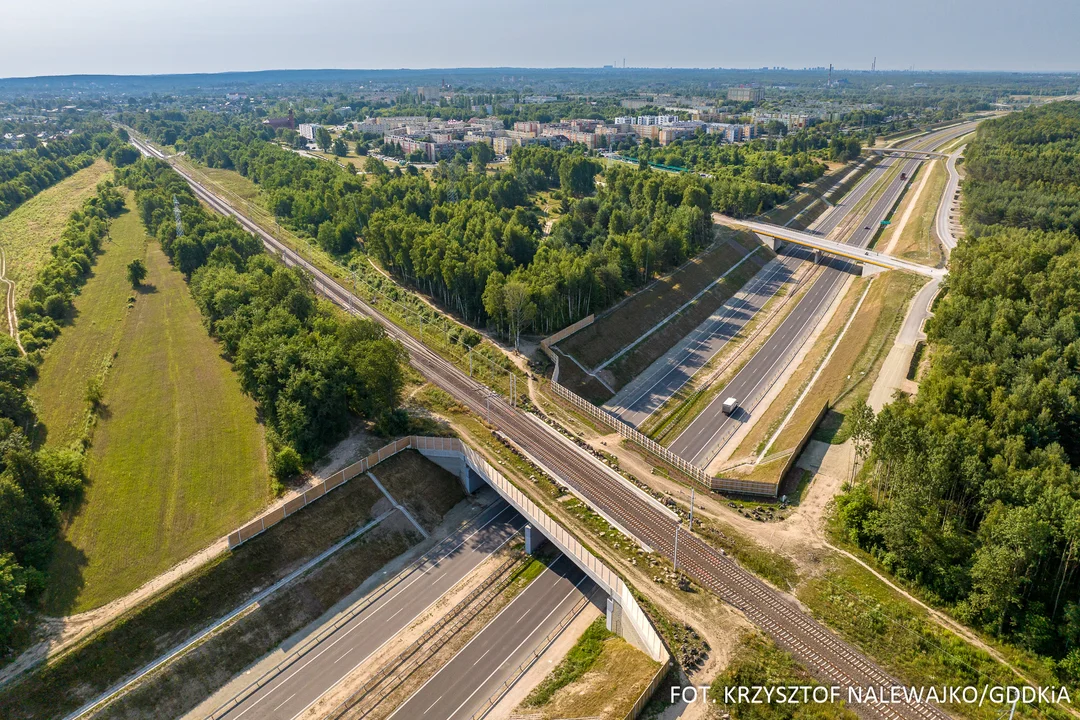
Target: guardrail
402 665
600 573
695 473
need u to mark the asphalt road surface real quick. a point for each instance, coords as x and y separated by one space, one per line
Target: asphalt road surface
463 686
301 684
830 659
649 391
703 439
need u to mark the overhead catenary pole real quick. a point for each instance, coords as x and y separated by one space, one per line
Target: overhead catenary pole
676 561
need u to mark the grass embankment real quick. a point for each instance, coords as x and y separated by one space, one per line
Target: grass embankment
851 370
440 332
900 636
636 315
177 458
420 485
682 408
758 661
209 667
175 615
917 240
633 363
28 233
601 676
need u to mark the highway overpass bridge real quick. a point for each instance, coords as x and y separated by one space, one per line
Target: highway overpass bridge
907 153
872 261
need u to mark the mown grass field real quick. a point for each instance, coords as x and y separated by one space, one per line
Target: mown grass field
177 458
852 368
84 349
32 228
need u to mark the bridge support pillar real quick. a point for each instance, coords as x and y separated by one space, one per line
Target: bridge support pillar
533 539
817 257
772 243
868 270
612 621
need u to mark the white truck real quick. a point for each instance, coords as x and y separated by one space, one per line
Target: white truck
729 405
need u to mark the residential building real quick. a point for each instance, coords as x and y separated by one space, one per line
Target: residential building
746 93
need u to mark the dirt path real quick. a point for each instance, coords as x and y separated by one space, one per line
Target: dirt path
9 300
899 231
800 536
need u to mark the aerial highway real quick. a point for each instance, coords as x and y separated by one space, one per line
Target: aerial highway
649 391
462 687
703 439
327 663
832 660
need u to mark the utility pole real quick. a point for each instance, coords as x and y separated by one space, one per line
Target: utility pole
691 508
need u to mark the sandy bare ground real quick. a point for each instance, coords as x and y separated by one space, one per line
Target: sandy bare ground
800 535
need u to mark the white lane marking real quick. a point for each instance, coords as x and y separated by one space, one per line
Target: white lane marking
284 701
511 653
446 555
433 704
344 654
483 656
491 622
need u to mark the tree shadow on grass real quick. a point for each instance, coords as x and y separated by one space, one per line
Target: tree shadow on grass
146 288
65 579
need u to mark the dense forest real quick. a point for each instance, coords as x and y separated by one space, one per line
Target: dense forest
309 367
472 238
972 491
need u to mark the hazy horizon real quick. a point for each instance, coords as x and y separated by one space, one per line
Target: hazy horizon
126 37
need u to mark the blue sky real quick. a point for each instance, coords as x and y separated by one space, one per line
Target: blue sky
166 36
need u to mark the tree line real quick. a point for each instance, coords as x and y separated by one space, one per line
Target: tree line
311 369
452 232
52 296
25 173
971 490
37 483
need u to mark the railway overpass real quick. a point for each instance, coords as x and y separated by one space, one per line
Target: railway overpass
872 261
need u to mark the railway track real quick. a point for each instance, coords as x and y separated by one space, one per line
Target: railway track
830 659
